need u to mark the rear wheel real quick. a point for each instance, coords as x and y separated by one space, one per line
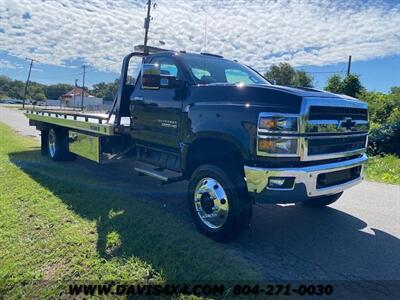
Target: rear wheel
57 145
218 202
322 201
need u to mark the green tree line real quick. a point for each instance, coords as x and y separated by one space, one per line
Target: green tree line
14 89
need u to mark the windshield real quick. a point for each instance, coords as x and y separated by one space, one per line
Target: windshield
208 69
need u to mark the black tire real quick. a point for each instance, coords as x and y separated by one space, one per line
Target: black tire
322 201
57 145
44 149
233 185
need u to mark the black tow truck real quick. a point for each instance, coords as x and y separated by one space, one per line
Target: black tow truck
219 124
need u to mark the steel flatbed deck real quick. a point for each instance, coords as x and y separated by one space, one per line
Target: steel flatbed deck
99 123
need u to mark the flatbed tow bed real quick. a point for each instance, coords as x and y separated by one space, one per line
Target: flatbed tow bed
99 123
88 133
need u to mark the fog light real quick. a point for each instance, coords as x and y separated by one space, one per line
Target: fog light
281 182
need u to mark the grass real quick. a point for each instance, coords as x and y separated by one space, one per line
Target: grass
384 169
60 224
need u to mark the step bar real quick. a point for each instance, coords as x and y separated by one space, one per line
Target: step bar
166 176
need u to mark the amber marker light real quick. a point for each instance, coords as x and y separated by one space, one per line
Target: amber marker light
268 123
266 145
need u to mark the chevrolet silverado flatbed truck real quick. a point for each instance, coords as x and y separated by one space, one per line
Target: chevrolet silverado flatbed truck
219 124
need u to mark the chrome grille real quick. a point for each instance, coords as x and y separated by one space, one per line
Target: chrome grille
324 145
333 128
337 113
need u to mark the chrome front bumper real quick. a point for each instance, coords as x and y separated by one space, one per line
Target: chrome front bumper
305 181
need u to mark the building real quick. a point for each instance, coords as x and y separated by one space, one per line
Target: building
75 92
73 98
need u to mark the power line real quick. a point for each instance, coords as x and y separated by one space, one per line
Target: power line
324 72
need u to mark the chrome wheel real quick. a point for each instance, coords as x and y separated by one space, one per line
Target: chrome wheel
52 143
211 202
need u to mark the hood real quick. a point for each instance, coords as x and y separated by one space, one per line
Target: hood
272 97
312 92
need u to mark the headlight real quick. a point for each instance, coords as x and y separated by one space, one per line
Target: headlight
276 124
272 145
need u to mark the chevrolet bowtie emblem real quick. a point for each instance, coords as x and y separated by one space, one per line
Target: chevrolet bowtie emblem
347 123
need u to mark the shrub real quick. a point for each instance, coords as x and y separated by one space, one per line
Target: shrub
385 139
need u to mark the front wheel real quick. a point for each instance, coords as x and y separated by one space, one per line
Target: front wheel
322 200
218 202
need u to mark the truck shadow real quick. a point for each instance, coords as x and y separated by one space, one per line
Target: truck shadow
283 243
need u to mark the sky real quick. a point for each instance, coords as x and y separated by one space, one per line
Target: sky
313 35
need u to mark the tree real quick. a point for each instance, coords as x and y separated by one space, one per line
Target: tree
302 79
4 86
285 74
350 85
104 90
54 91
335 84
395 90
36 91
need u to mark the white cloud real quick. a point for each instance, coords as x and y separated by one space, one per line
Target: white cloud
303 32
5 64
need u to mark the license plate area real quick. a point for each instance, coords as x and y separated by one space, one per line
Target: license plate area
330 179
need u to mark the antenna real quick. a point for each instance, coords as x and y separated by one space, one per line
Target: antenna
147 26
205 32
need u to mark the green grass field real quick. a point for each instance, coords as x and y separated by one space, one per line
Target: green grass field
59 225
384 169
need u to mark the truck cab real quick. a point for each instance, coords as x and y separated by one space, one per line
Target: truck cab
234 136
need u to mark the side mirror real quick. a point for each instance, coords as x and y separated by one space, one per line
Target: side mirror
151 77
168 81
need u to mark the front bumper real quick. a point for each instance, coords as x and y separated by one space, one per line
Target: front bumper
306 182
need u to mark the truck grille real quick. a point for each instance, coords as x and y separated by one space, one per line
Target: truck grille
337 113
317 146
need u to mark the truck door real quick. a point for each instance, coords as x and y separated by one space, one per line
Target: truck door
157 113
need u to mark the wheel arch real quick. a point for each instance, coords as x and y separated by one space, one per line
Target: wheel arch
211 147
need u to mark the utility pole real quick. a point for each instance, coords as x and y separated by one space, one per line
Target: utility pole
349 66
76 85
83 85
27 80
147 26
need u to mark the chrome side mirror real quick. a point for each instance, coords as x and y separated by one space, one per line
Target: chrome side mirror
151 77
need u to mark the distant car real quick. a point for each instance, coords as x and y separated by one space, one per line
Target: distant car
13 101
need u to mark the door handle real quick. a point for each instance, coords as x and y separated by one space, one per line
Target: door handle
138 98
